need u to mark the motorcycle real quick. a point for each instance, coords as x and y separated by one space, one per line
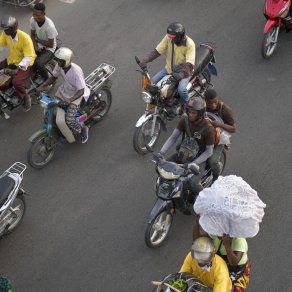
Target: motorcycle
275 12
12 202
8 96
160 107
172 193
21 3
55 129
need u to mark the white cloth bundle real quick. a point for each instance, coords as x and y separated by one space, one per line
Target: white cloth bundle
230 206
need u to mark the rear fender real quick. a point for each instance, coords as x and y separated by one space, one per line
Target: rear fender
144 118
271 23
159 206
39 133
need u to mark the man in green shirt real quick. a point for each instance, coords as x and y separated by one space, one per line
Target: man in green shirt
180 53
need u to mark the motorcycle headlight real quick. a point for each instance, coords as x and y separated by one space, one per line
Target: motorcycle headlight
167 175
146 97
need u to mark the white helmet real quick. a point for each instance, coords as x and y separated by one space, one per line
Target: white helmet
203 250
66 55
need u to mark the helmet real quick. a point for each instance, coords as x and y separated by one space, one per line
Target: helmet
10 23
66 55
197 104
178 32
203 250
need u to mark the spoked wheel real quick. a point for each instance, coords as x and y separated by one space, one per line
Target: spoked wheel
15 214
142 136
157 231
269 43
40 153
103 102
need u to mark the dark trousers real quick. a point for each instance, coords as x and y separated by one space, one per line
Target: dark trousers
18 80
41 60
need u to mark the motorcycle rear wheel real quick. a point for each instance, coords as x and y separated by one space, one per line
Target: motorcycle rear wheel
158 230
142 137
269 43
17 210
105 96
40 149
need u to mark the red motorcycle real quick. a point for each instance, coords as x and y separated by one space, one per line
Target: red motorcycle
277 14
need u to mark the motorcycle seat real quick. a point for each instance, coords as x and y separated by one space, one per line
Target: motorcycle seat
84 103
204 55
6 186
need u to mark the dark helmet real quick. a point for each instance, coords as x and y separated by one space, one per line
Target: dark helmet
197 104
10 23
176 29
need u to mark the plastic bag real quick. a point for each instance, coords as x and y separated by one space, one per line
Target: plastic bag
230 206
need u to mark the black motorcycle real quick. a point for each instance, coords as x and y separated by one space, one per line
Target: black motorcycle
172 193
162 103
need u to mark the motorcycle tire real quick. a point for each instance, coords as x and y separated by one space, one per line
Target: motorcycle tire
223 159
159 227
18 207
39 147
268 48
140 139
105 96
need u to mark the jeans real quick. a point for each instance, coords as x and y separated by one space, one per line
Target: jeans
214 161
39 64
182 86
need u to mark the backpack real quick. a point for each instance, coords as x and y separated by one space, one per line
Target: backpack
189 147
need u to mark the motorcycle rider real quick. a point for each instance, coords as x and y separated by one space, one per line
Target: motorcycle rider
180 52
22 55
72 91
202 131
208 267
219 108
44 37
234 253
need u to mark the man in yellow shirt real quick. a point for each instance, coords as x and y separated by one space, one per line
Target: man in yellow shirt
180 53
209 268
22 55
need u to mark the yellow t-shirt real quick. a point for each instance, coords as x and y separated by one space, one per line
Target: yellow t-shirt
182 54
218 277
23 47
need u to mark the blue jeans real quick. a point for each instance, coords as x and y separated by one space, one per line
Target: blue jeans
182 86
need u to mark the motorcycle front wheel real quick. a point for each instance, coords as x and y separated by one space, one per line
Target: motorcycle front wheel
104 101
16 214
269 43
157 230
39 153
142 139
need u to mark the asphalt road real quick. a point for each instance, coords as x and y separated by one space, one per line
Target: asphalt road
86 215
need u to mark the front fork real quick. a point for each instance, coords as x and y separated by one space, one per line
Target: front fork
153 122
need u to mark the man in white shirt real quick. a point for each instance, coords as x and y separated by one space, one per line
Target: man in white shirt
44 36
72 91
